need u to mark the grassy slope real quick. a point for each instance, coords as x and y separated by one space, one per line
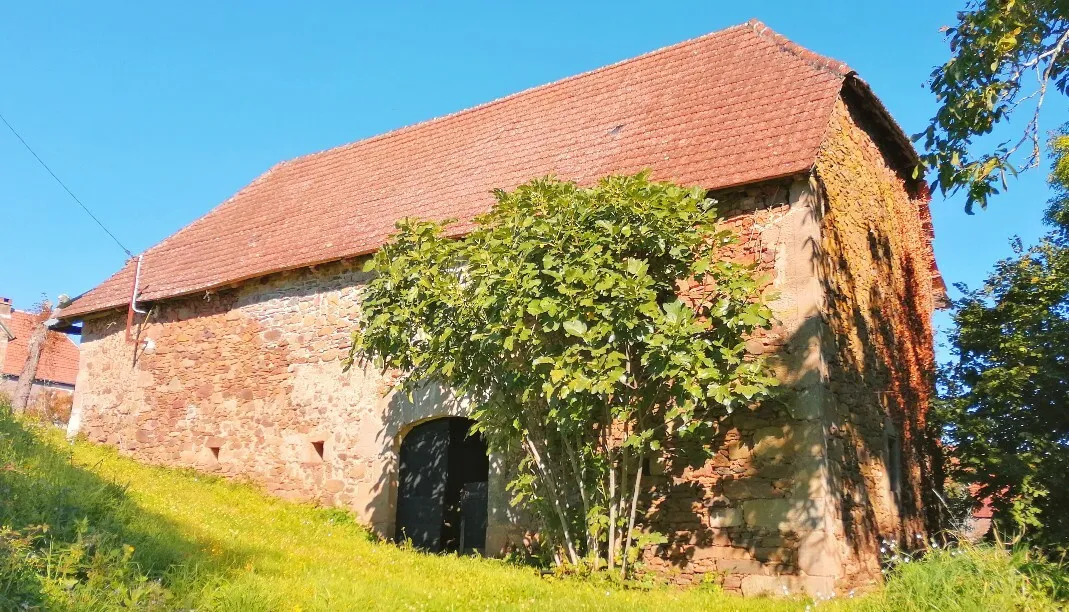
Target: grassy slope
215 544
237 548
287 554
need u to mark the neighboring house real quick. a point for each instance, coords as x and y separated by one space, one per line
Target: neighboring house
58 368
979 524
236 367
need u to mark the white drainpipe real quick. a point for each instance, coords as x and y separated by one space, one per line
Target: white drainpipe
137 285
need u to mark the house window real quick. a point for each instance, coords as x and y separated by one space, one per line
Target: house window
215 452
318 448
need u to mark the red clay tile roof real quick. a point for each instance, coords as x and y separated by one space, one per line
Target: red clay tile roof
729 108
59 357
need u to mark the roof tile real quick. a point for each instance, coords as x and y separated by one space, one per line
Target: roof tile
59 357
733 107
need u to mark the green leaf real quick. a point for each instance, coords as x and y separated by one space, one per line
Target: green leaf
575 327
637 267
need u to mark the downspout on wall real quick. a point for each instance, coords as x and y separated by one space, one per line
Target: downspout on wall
133 301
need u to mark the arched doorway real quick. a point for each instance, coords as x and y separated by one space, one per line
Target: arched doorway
442 486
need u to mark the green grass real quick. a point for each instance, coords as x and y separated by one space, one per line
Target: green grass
976 577
83 528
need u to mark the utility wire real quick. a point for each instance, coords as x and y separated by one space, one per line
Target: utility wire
65 188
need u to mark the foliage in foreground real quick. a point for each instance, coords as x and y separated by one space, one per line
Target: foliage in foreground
84 529
1007 55
1005 409
971 577
558 317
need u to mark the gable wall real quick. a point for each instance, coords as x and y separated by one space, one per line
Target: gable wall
878 277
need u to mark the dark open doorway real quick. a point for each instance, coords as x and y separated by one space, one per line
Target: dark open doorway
442 487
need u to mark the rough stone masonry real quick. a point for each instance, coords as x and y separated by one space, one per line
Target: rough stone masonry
242 375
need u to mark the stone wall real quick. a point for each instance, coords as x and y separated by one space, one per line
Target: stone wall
878 273
247 382
802 491
757 513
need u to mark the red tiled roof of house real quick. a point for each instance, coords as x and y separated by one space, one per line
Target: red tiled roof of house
59 357
733 107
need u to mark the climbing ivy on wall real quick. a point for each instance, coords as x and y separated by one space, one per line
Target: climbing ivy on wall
557 315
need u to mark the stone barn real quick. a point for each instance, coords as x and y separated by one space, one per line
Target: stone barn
221 347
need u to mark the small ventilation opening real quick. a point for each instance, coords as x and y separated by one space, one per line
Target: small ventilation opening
894 475
215 452
318 447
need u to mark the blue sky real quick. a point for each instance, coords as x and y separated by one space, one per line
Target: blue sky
153 113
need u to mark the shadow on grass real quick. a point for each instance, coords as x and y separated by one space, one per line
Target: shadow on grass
70 538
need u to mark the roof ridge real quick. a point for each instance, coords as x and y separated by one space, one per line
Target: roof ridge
823 62
25 312
517 94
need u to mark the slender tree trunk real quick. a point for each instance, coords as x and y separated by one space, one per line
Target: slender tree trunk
612 515
551 488
29 371
634 511
607 438
555 470
621 499
579 473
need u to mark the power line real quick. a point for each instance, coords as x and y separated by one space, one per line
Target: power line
65 188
